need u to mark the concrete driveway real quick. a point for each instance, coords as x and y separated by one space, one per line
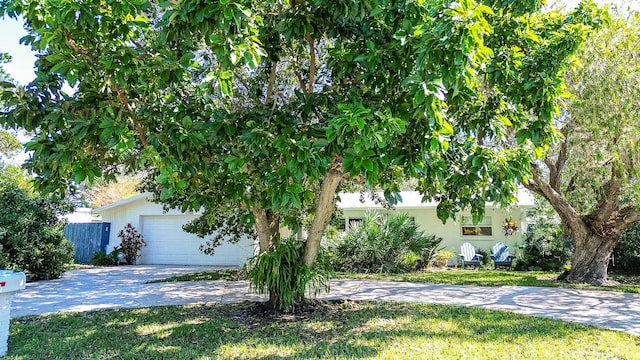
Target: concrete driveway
115 287
127 287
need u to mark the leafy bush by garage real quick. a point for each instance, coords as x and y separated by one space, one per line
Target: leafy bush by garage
131 243
31 234
389 244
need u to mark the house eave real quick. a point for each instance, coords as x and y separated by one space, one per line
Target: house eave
120 203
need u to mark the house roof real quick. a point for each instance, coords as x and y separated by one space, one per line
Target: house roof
122 202
410 199
413 199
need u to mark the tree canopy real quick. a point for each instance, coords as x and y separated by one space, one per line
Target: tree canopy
8 143
257 110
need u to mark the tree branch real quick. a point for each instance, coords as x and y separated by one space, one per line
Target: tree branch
303 86
533 187
312 61
567 213
628 216
121 95
609 198
74 46
134 118
556 168
140 47
272 81
531 184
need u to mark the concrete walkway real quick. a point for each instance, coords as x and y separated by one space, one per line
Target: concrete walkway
126 287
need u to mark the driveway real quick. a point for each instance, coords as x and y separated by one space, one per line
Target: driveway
115 287
127 287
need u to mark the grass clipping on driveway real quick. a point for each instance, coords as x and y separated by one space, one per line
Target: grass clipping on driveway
341 330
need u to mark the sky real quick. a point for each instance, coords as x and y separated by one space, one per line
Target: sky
21 66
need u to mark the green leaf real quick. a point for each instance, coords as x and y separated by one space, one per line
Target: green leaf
166 193
419 96
446 129
295 188
187 122
321 142
79 176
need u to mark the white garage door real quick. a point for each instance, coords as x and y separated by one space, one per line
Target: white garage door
167 243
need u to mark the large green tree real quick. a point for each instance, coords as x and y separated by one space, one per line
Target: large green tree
31 236
257 111
591 178
8 143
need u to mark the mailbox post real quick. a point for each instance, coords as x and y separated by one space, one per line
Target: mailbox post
10 282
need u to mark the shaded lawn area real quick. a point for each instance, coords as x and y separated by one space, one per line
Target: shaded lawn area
341 330
628 283
450 276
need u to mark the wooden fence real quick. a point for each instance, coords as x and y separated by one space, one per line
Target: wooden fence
87 238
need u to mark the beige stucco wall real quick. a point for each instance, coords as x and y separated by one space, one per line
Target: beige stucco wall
451 231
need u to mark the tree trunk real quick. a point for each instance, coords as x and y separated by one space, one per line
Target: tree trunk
267 226
590 259
324 209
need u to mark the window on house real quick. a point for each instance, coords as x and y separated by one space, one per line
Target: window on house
483 228
354 222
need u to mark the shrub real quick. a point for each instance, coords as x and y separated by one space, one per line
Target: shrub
441 258
389 244
101 258
31 234
131 242
626 255
486 256
281 273
546 248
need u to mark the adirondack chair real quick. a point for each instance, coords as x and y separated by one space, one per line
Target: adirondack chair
501 256
469 257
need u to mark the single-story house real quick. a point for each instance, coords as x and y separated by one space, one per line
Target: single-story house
167 242
454 232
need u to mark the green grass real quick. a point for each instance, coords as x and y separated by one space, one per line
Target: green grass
452 276
498 278
79 266
227 274
341 330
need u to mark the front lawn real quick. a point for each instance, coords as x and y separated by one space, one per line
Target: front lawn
498 278
342 330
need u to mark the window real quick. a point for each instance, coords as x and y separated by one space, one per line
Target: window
355 222
483 228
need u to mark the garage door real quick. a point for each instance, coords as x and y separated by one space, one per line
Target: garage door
167 243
